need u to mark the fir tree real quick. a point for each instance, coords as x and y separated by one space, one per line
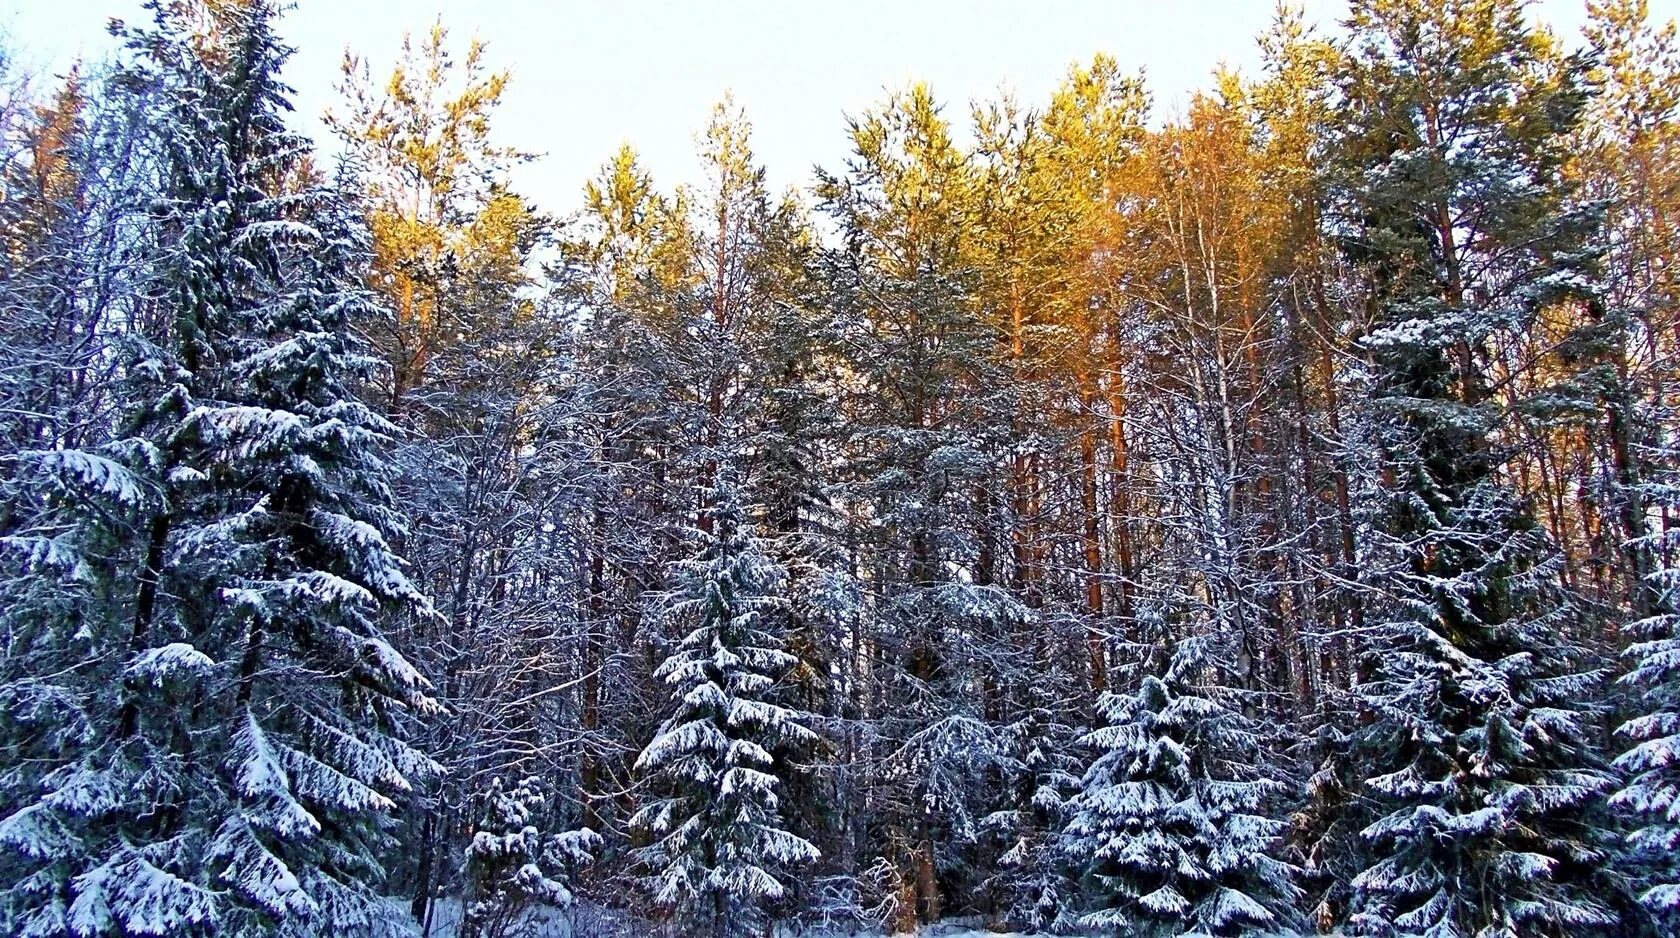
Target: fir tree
720 849
70 512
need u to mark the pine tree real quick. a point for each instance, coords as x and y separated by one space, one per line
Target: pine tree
720 849
476 362
1171 822
445 225
927 414
1484 767
620 269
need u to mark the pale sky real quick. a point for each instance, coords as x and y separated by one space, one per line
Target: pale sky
590 75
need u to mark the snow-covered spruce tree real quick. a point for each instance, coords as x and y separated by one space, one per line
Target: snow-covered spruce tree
240 770
720 848
69 511
1479 696
1629 139
1171 823
1481 747
69 502
1651 794
68 514
514 868
1038 886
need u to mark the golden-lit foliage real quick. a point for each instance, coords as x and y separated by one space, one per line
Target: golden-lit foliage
1630 153
636 230
445 227
40 188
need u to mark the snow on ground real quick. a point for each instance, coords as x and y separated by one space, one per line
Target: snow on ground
585 920
957 931
592 921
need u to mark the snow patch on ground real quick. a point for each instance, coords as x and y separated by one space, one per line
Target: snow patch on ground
587 920
584 920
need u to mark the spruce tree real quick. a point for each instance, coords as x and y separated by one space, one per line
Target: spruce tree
1478 694
1172 822
68 501
1631 144
241 758
1651 793
1037 882
517 868
720 849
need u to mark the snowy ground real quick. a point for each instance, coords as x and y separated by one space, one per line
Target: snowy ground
957 931
582 922
595 922
588 921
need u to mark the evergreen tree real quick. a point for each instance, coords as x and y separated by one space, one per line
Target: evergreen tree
1038 883
1651 794
634 256
70 506
238 769
1483 761
474 361
1630 155
515 868
1171 822
720 849
927 416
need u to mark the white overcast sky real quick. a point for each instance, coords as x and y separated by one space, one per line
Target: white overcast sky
590 75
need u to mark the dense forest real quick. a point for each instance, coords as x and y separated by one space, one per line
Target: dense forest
1064 516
